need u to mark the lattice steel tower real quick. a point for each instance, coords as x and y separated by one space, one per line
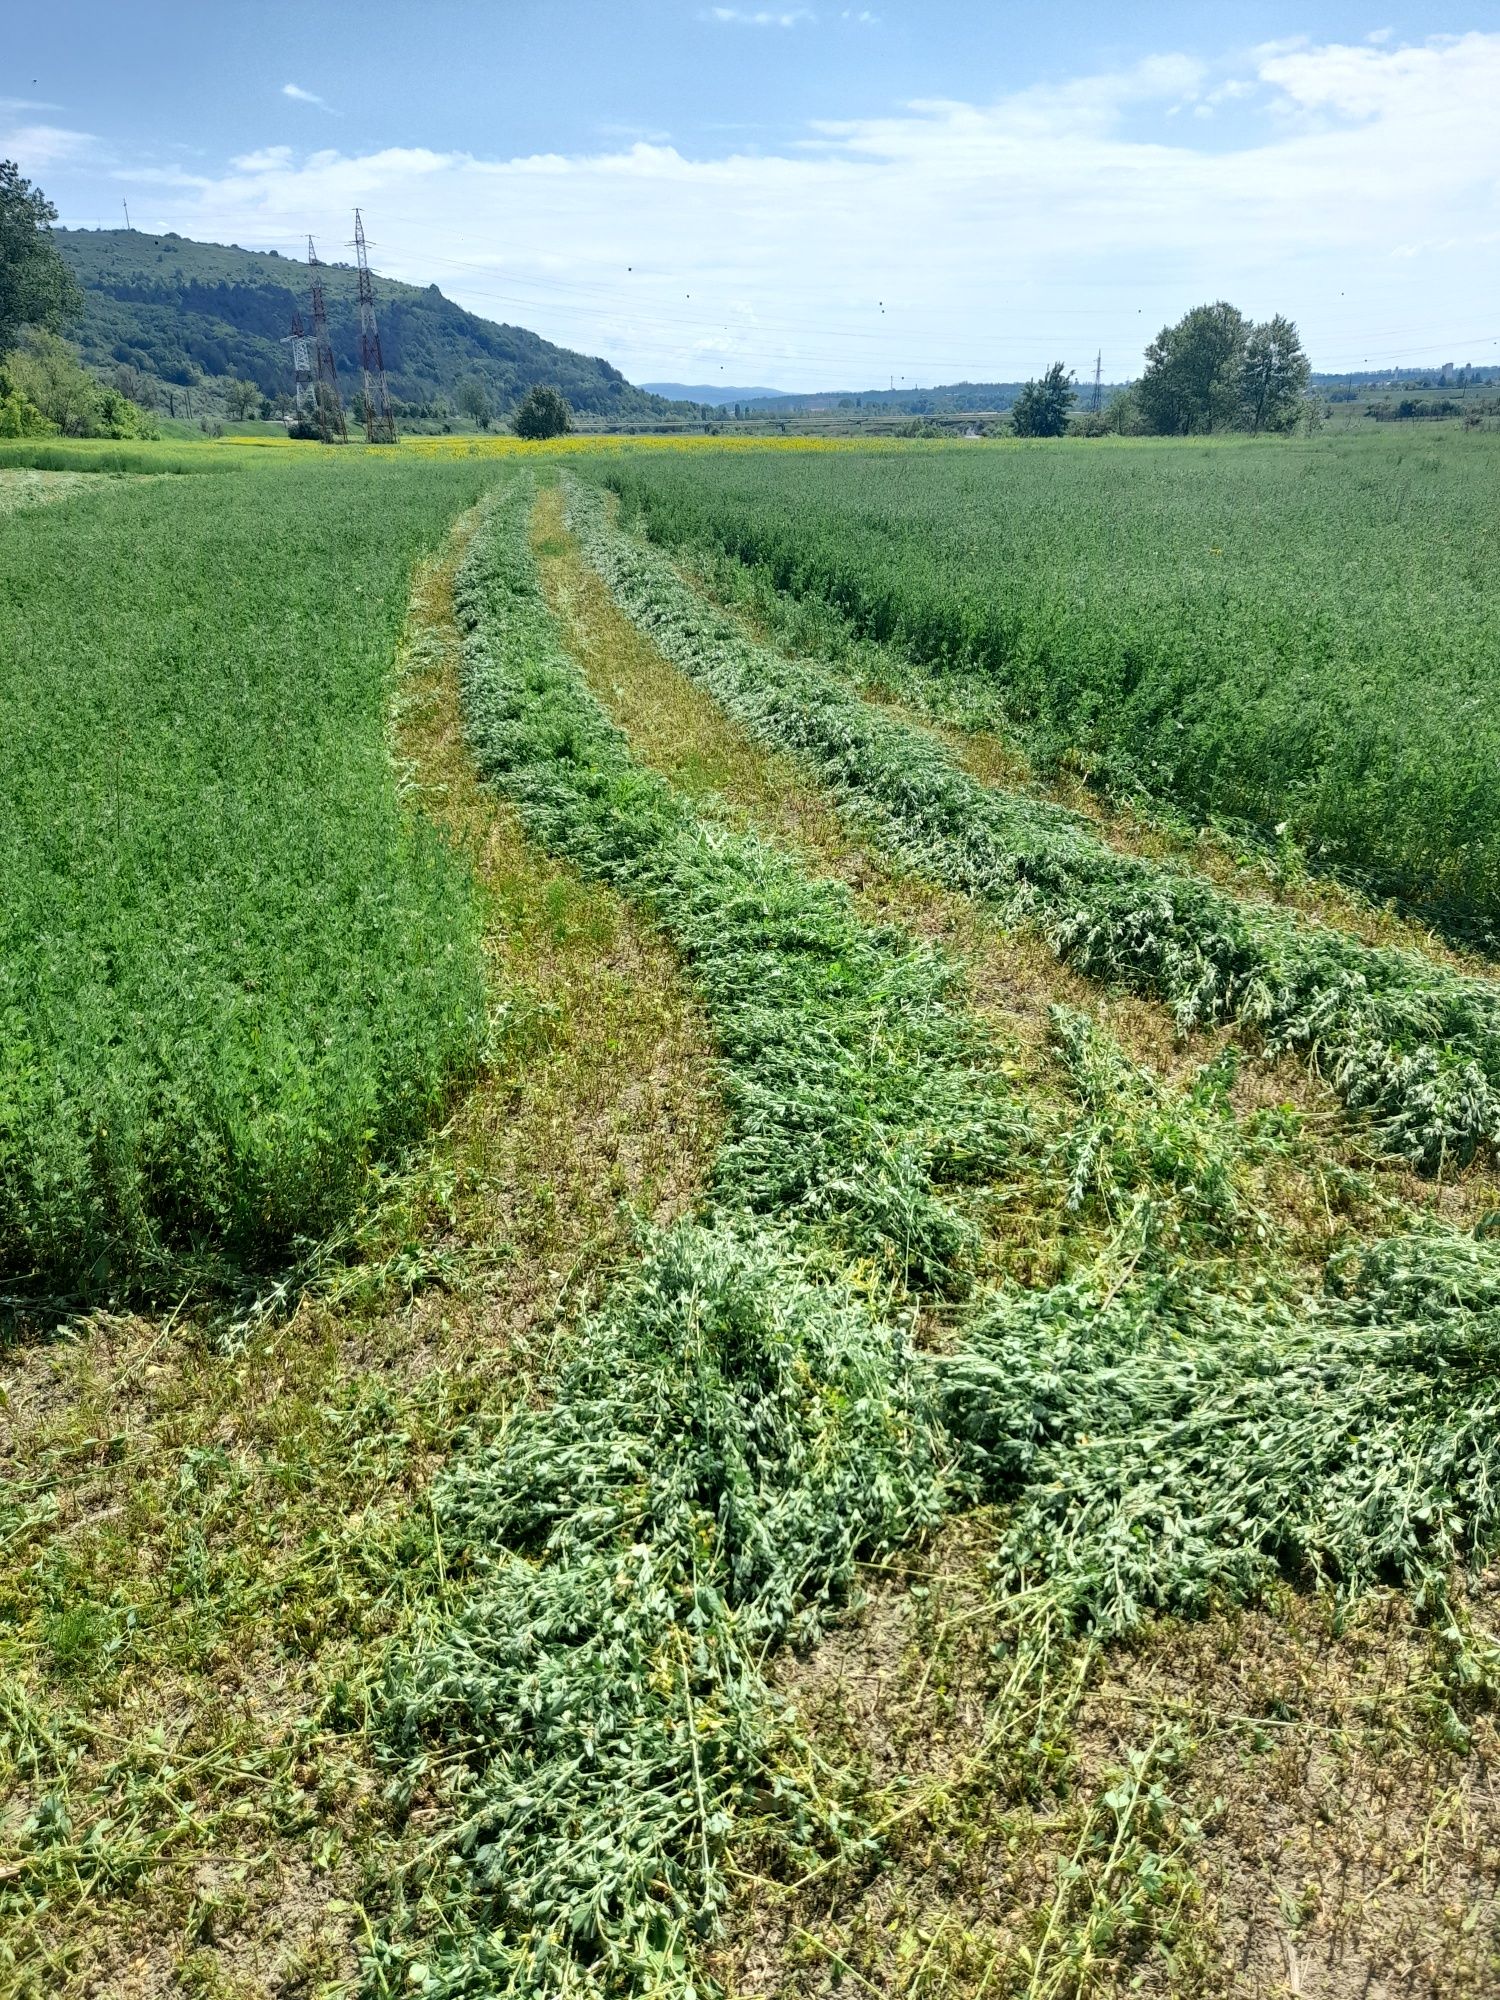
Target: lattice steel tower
1098 397
304 402
380 418
330 404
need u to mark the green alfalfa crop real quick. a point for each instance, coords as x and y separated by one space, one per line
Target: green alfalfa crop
1269 634
235 972
1406 1042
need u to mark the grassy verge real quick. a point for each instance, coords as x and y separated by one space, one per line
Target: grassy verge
1410 1045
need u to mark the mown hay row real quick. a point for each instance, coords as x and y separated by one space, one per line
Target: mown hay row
740 1422
1410 1044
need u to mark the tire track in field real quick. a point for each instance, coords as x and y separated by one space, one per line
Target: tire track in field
614 1077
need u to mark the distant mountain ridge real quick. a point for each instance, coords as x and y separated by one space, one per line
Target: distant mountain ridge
189 313
712 393
947 396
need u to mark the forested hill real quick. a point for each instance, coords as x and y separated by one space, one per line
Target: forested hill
182 312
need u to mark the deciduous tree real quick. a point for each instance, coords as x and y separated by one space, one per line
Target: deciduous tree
542 413
241 398
1041 409
474 401
36 287
1274 378
1193 369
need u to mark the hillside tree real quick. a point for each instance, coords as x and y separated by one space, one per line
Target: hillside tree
241 397
36 287
135 387
45 372
542 413
1041 409
19 416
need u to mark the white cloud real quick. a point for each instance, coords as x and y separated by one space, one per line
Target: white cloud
40 147
999 235
269 159
301 96
162 177
759 17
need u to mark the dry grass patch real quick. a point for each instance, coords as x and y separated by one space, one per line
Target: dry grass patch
995 1868
1350 1829
21 486
1307 1814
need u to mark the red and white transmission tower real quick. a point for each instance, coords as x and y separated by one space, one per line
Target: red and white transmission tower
380 418
330 403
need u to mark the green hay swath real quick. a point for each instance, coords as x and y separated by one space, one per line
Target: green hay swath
1414 1046
744 1420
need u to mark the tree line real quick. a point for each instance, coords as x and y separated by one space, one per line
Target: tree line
43 389
1215 370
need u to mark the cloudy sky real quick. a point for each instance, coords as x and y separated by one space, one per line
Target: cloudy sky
813 196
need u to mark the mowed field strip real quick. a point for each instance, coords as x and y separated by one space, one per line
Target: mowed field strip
917 1409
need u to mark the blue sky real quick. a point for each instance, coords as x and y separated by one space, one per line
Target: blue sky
818 195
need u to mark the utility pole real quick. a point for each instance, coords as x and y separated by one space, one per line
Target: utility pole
1098 380
126 206
380 418
330 404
